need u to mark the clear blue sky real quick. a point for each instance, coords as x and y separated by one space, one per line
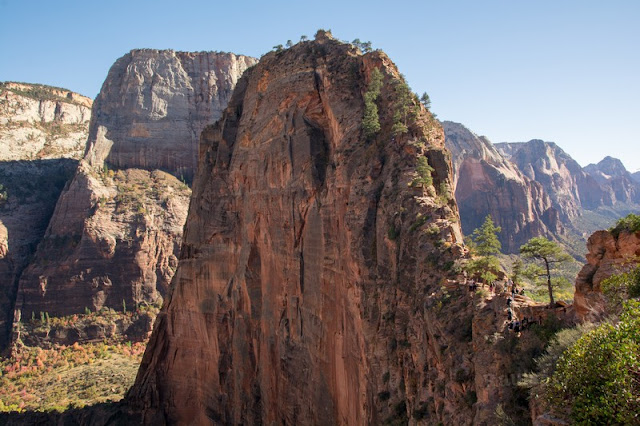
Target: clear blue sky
564 71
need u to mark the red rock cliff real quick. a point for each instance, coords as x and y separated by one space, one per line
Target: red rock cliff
309 283
607 255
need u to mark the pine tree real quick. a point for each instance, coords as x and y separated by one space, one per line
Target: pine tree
550 253
486 238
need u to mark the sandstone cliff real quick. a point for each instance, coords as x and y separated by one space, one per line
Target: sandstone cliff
607 255
43 131
571 189
311 285
487 183
615 180
116 231
154 104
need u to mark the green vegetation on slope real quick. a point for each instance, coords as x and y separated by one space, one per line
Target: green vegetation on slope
597 379
39 92
38 379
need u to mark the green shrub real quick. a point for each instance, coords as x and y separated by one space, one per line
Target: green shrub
620 287
596 380
629 223
423 170
370 120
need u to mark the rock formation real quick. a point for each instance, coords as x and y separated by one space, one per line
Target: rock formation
311 287
154 104
116 231
636 176
607 255
43 131
487 183
618 183
571 189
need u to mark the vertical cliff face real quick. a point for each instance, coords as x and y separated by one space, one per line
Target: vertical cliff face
487 183
43 131
571 188
154 104
309 288
607 255
116 231
616 181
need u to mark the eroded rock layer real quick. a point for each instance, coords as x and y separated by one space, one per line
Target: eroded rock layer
115 234
43 132
154 104
607 255
571 189
309 288
487 183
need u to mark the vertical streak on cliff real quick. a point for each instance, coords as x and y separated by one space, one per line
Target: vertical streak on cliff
293 300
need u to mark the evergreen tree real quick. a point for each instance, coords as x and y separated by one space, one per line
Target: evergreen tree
425 100
550 254
370 120
486 238
518 269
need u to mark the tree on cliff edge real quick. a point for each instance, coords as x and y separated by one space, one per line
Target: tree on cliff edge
550 253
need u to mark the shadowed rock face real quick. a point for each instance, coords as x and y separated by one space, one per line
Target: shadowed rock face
607 255
43 131
115 234
487 183
307 286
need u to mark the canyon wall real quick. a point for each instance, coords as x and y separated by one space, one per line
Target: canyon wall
43 131
115 234
487 183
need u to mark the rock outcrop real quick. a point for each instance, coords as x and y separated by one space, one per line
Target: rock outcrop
43 131
636 176
487 183
311 287
116 231
607 255
310 254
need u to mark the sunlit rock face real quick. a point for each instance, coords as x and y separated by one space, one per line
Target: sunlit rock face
115 235
488 183
43 133
607 255
312 264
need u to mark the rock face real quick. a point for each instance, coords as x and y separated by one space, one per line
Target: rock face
487 183
43 131
571 189
309 288
155 103
116 231
607 256
614 178
636 176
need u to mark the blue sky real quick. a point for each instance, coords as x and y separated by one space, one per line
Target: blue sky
563 71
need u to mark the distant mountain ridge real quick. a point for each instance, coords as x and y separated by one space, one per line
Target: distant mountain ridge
582 199
486 182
